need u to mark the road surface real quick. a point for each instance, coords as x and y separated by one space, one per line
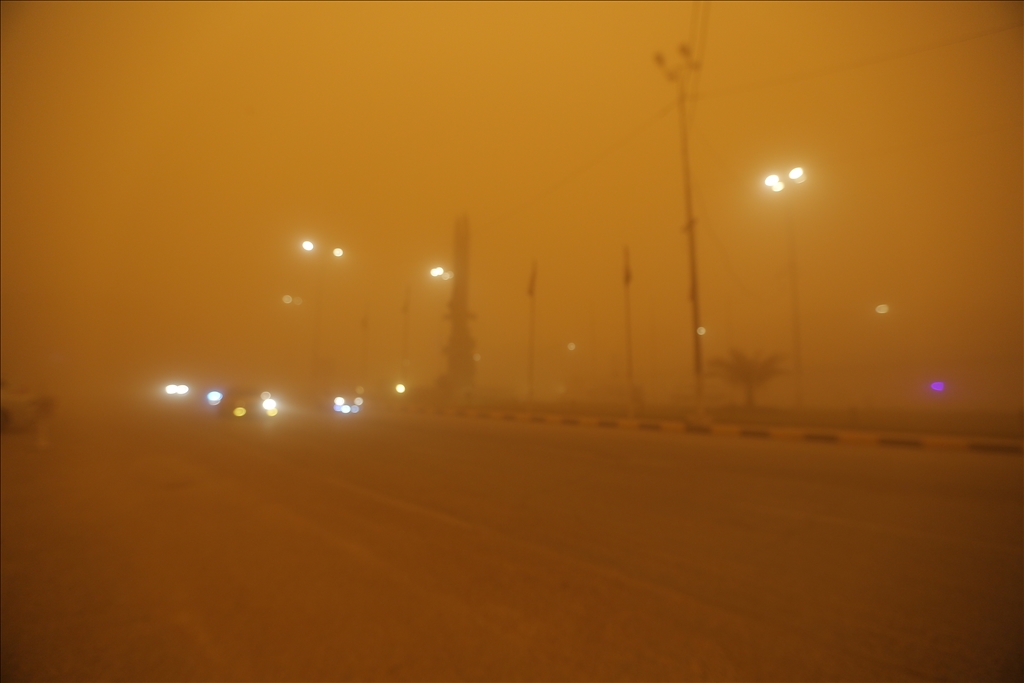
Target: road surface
430 548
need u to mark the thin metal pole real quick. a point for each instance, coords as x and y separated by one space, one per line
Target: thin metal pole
531 291
795 283
366 334
405 334
627 277
318 303
698 360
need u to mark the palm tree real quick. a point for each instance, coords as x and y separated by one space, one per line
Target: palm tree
748 372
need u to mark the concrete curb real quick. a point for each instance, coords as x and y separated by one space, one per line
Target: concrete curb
759 432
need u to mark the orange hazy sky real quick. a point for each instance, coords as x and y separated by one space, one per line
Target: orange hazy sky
162 162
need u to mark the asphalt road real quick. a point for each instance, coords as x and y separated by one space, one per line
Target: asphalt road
430 548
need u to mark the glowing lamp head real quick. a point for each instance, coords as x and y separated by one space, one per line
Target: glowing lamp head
436 272
338 252
778 187
265 395
307 245
400 388
938 386
358 401
269 404
346 409
238 412
771 180
882 308
796 173
171 388
286 298
214 397
701 331
339 401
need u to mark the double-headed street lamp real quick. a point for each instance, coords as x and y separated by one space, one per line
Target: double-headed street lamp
338 252
777 185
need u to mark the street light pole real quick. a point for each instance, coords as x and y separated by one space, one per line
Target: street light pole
795 284
405 335
680 75
308 246
531 292
797 175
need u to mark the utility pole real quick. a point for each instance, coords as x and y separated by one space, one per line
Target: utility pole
627 277
366 346
680 74
461 368
795 284
405 336
531 292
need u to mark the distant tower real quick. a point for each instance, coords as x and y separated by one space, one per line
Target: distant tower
458 380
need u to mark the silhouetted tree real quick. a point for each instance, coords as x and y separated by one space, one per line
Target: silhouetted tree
748 372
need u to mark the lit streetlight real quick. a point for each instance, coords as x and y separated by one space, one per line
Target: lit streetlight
797 175
308 246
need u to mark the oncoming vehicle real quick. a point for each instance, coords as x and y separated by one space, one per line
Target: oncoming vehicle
243 403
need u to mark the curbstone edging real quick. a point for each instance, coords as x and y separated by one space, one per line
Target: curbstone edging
782 433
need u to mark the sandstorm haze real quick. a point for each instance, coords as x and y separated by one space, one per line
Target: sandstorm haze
162 163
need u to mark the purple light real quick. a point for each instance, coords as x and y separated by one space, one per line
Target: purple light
337 408
938 386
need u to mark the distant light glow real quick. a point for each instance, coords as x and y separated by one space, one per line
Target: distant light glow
355 409
358 401
346 409
339 401
447 275
938 386
338 252
701 330
214 397
476 356
400 388
238 412
265 395
434 272
337 407
307 245
297 300
778 187
796 173
286 298
771 180
270 404
272 412
359 390
882 308
571 346
171 388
